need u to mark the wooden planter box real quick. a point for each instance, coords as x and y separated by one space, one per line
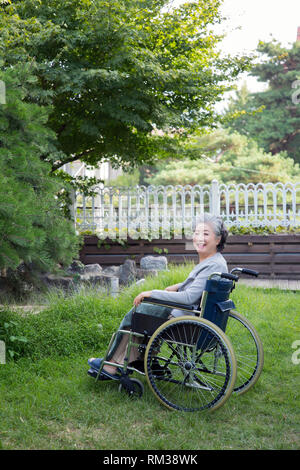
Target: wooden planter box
274 256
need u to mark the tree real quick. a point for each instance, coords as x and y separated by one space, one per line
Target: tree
115 71
276 125
32 226
230 158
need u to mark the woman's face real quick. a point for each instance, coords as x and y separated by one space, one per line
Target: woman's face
205 241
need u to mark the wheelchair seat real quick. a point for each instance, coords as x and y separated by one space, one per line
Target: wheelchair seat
214 305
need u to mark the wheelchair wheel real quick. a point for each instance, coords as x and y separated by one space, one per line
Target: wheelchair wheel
133 387
248 350
190 364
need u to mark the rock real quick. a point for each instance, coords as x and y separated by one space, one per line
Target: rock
93 269
111 271
76 273
128 272
55 280
110 277
76 267
25 287
114 286
158 263
91 272
142 273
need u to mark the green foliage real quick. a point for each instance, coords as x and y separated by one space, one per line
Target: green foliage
160 251
127 179
227 157
60 330
32 226
107 243
271 117
116 71
14 344
82 321
267 230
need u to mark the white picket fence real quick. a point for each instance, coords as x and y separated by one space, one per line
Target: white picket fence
165 211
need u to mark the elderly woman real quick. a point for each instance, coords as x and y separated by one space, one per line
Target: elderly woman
209 239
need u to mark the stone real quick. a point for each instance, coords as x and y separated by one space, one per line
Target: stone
54 280
111 271
158 263
91 272
92 269
25 287
128 272
76 267
142 273
114 286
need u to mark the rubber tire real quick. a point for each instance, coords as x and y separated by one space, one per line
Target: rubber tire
139 389
219 334
240 386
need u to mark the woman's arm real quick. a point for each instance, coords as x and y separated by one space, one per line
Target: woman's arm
193 292
173 288
188 297
142 295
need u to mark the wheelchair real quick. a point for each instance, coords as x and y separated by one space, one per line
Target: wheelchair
194 362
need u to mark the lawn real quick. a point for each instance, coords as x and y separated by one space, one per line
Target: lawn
49 402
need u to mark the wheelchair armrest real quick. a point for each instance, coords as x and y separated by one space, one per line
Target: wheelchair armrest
150 300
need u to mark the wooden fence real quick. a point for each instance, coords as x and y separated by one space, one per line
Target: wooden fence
274 256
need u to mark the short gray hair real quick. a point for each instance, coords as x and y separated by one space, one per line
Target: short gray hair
217 224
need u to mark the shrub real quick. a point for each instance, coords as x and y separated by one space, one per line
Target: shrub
80 322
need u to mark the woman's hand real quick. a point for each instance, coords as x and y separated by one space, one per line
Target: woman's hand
173 288
141 296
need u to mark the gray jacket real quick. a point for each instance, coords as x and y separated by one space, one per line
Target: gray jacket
190 291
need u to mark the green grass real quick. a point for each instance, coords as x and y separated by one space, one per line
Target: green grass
49 402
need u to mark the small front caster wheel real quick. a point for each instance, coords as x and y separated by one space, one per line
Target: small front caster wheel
133 387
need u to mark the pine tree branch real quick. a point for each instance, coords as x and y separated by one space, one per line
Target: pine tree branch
282 144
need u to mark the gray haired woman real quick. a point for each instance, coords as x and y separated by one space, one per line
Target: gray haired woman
209 239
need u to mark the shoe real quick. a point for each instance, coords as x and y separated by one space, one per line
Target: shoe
93 373
95 364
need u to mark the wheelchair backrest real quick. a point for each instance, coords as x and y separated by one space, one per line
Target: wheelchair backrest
215 303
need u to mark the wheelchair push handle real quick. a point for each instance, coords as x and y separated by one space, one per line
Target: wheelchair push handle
230 276
251 272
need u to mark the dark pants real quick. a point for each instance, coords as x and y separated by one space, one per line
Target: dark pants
120 342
